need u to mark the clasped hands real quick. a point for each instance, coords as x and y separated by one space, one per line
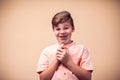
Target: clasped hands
62 55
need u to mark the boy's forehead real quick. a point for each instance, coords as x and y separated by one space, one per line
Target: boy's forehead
63 24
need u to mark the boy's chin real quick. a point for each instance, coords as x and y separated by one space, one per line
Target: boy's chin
63 42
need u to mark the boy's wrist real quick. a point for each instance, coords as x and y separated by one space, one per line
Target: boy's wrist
57 61
69 63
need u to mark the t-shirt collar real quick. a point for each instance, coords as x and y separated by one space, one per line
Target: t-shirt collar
68 45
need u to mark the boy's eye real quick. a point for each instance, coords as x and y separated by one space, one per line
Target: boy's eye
66 28
57 29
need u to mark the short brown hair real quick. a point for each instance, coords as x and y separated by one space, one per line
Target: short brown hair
62 17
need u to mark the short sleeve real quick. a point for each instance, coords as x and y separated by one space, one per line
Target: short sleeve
43 61
86 62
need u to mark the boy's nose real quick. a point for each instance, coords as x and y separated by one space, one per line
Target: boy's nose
62 31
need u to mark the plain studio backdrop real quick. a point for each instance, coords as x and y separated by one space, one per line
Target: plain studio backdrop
25 30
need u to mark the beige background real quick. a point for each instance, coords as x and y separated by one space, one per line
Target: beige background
25 30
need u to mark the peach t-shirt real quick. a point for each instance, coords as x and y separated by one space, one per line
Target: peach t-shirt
78 53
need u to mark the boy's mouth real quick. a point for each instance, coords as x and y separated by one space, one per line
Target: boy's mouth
63 37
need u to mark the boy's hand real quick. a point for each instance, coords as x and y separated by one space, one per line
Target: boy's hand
62 55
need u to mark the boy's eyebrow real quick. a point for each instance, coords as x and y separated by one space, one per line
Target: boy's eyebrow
66 25
56 27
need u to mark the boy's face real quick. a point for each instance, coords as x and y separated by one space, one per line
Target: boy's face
63 32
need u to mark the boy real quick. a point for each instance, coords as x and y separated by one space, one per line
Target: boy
65 60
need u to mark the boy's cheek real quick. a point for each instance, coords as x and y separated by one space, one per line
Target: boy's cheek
56 32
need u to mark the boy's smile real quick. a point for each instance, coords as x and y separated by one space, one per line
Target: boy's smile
63 32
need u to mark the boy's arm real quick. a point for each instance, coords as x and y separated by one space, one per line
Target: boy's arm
81 73
48 73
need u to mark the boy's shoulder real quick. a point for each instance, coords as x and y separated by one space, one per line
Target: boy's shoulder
79 45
